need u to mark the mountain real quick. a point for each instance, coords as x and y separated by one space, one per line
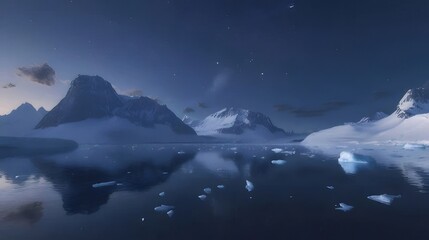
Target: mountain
409 123
92 111
415 101
88 97
21 120
375 117
190 121
237 122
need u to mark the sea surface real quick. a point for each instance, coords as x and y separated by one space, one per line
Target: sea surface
54 196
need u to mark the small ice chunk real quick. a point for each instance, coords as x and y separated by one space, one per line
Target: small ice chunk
104 184
164 208
278 162
384 198
412 146
330 187
207 190
142 219
344 207
161 194
202 197
220 186
249 186
165 173
180 152
233 149
170 213
277 150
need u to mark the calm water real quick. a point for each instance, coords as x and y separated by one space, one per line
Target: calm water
51 197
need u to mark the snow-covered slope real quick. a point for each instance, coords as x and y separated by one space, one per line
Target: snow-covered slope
409 123
21 120
92 110
375 117
238 123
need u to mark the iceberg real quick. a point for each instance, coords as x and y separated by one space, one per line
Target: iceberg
351 157
344 207
249 186
278 162
277 150
202 197
384 198
412 146
207 190
104 184
351 162
170 213
164 208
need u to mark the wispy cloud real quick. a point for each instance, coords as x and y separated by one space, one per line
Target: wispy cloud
135 93
43 74
202 105
381 94
220 81
317 111
9 85
188 110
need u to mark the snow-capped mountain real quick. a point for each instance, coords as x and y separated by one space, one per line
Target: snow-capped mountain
415 101
237 122
409 123
93 109
375 117
21 120
190 121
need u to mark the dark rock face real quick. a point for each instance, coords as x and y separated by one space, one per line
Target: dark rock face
146 112
92 97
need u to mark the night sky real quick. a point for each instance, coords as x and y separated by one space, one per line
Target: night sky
308 64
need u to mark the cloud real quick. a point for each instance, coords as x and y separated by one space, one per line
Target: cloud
9 85
202 105
283 107
29 213
317 111
135 93
220 81
381 94
43 74
188 110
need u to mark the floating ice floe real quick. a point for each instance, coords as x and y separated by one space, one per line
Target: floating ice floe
249 186
278 162
161 194
384 198
277 150
164 208
104 184
344 207
202 197
412 146
220 186
288 152
330 187
207 190
170 213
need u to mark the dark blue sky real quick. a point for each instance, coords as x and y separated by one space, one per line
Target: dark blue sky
308 64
